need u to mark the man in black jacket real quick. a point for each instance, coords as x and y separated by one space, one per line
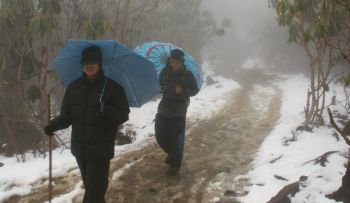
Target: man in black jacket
95 120
178 85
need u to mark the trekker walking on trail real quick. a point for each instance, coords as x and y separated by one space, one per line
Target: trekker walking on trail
94 122
178 85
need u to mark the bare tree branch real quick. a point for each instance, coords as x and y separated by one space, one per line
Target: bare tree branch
335 126
345 4
345 56
322 160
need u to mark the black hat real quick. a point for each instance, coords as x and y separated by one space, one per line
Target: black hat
177 54
91 54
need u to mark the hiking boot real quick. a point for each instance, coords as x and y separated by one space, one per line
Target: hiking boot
167 160
172 170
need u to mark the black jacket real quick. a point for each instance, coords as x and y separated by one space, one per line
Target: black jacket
175 105
93 133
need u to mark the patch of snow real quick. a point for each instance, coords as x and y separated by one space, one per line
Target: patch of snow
120 172
261 97
251 63
15 178
292 151
68 197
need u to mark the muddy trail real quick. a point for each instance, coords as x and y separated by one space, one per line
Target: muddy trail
217 151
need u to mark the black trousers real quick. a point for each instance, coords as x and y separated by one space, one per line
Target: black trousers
95 179
170 135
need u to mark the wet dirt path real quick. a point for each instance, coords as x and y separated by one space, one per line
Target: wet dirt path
217 149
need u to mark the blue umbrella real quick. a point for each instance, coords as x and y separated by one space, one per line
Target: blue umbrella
136 74
159 52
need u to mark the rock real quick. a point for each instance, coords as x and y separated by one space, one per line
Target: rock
123 139
343 193
153 190
126 135
230 193
289 190
1 164
304 128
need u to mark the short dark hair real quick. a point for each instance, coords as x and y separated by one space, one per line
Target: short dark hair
177 54
91 54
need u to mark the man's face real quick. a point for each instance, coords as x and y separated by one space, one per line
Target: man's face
176 64
91 69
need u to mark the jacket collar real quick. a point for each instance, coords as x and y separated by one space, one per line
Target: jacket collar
100 77
169 70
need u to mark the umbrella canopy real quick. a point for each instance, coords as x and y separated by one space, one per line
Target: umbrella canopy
159 52
136 74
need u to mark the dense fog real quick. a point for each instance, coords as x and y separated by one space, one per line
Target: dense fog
254 35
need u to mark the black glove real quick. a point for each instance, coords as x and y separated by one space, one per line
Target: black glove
49 130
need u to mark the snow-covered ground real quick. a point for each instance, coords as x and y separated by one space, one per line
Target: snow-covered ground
16 177
286 152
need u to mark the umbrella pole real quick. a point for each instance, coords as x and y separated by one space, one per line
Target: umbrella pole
50 149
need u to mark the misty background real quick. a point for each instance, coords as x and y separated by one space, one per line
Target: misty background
255 35
240 39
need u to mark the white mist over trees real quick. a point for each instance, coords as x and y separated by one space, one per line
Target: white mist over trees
254 34
321 28
32 31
